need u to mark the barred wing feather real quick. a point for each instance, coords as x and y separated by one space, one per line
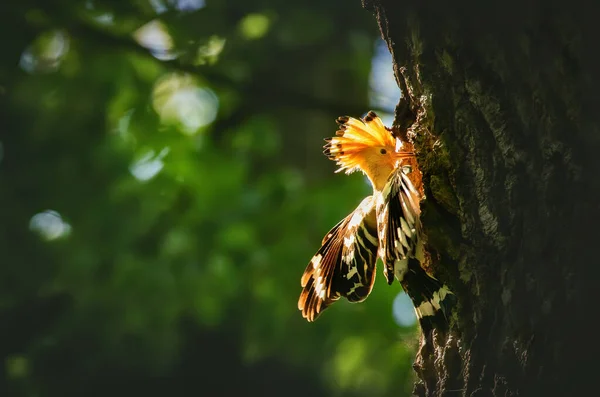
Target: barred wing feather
344 266
398 221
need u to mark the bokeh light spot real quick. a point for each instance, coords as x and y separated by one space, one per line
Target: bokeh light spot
403 311
209 52
189 5
255 26
180 101
349 357
149 165
155 37
384 92
158 6
46 53
17 366
49 225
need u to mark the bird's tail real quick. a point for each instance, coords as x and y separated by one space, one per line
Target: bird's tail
433 300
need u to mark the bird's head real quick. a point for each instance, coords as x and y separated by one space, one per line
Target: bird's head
367 145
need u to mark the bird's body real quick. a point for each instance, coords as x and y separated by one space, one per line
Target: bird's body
385 224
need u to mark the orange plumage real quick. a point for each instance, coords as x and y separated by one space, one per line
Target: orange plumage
366 145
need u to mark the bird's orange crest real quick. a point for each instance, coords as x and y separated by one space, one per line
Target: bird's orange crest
367 145
355 137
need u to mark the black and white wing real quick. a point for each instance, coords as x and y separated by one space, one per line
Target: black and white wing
399 228
344 266
399 231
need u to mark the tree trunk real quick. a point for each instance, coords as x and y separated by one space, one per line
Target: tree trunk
501 101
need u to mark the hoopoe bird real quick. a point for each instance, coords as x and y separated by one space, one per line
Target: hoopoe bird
385 225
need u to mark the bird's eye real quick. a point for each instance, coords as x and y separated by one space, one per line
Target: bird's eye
383 151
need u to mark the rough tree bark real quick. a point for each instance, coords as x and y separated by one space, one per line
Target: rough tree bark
501 100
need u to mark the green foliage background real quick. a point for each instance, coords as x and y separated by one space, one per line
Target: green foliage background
157 208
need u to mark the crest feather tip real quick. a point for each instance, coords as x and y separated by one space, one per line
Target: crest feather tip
342 119
371 115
